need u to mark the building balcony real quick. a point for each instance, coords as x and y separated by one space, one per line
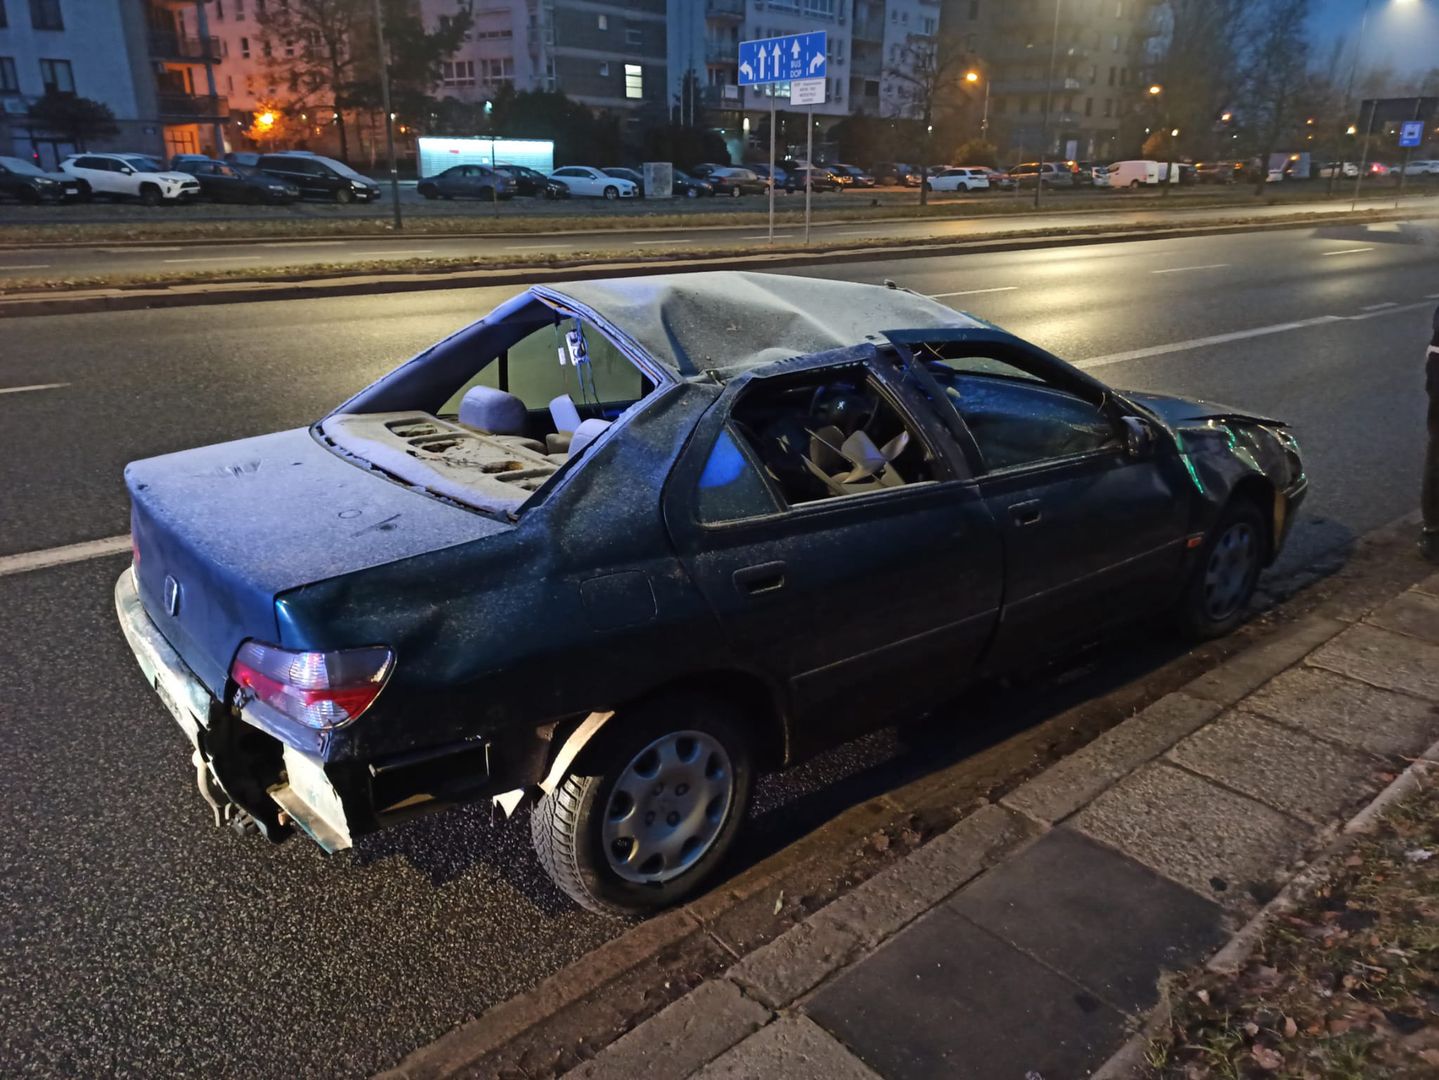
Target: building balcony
1058 85
722 52
725 10
189 49
192 107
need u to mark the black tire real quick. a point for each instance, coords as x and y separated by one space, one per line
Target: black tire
567 825
692 193
149 195
485 193
1134 185
343 196
429 193
612 192
1217 596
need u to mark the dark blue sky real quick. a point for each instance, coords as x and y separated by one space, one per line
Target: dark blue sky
1403 33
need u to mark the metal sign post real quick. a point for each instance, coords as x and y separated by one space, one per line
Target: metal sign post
771 164
808 92
791 58
1411 134
1363 155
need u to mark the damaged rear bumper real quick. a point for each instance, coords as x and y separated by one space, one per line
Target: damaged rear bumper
303 794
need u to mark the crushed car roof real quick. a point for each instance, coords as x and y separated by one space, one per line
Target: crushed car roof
731 321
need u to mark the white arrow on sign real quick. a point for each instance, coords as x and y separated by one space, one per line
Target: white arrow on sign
776 59
815 61
746 70
795 51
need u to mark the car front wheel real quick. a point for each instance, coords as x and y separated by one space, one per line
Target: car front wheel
149 195
343 196
649 809
612 192
1223 581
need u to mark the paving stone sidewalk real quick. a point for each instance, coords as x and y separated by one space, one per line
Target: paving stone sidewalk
1031 939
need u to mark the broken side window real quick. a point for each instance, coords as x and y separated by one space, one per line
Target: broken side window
1015 417
828 434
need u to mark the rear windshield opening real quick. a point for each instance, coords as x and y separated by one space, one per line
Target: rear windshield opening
505 425
830 434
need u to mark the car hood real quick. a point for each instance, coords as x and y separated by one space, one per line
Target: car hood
1176 411
235 524
169 176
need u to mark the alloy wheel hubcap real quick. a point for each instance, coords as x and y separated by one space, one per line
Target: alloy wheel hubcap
1230 571
667 807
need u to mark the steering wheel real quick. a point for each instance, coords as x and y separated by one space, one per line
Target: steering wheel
841 406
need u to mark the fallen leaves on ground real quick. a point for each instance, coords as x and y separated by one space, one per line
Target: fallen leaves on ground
1343 987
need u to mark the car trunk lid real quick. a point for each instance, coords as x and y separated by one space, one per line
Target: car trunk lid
221 530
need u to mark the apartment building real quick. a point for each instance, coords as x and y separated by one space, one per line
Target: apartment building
151 61
1098 74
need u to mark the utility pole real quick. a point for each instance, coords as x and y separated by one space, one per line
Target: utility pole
389 117
1048 101
1349 90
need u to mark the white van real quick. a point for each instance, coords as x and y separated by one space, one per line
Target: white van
1131 174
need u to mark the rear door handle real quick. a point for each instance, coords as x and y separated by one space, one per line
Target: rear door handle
1025 513
761 578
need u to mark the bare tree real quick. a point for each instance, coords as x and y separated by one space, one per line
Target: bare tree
308 49
1275 81
1196 47
929 81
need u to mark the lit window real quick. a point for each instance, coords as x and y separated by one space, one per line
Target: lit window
634 81
602 22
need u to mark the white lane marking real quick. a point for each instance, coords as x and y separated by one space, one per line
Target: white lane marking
973 292
407 251
866 229
1376 307
535 247
765 236
302 243
1240 335
1182 269
213 258
682 240
1349 251
37 386
59 556
25 266
137 250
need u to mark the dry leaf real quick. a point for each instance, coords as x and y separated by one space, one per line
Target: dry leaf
1203 995
1339 1025
779 902
1266 1059
1291 1029
1251 1029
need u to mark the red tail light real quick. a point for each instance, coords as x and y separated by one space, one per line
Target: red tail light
318 689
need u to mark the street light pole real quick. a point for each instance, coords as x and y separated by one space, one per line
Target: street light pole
1349 90
389 118
1048 101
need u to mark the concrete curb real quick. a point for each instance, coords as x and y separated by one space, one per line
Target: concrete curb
783 969
237 292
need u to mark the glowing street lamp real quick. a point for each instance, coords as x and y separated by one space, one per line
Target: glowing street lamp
973 77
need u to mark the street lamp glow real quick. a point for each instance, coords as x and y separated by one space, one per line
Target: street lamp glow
1156 89
1174 133
1351 130
1226 117
971 76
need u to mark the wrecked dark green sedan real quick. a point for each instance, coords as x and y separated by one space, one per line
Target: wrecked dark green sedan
622 544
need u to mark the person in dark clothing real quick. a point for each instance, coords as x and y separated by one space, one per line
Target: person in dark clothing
1429 497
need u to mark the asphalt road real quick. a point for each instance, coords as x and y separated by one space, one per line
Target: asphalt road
141 941
177 257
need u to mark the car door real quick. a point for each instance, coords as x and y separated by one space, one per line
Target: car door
1093 534
861 605
94 171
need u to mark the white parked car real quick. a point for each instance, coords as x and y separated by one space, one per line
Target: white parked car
960 178
584 180
1422 168
137 176
1336 168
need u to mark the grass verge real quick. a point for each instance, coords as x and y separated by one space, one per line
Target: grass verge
304 221
576 257
1343 987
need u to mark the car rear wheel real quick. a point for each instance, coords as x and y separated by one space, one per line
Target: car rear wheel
343 196
149 195
1133 185
1227 572
612 192
649 810
692 193
734 192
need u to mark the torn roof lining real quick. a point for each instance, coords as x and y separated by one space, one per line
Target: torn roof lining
729 322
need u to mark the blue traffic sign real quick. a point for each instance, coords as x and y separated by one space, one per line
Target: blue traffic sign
1411 133
782 59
